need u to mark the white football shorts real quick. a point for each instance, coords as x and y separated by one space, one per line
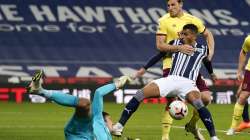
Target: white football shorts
173 86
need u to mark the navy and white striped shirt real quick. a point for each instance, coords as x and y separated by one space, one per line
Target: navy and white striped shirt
188 66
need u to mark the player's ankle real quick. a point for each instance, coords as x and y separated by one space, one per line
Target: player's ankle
165 136
214 138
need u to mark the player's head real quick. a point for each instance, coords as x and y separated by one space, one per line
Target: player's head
108 120
174 7
84 106
189 33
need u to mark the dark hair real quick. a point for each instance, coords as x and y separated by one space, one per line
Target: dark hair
104 114
179 1
191 27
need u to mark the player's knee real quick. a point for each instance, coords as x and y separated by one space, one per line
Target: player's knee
197 104
206 97
243 97
139 96
84 103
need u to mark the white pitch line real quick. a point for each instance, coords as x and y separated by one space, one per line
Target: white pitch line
202 129
182 127
137 126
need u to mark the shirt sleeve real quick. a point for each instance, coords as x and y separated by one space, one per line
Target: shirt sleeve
101 132
153 60
97 103
208 65
246 45
162 29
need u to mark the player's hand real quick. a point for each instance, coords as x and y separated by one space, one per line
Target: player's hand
139 73
239 75
187 49
213 77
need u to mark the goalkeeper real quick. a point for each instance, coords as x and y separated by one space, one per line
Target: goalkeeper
89 122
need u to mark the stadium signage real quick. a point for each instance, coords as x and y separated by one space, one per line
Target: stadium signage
96 19
99 14
90 71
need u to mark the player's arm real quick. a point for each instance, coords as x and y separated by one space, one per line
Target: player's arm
243 57
208 65
164 47
152 61
241 63
97 104
206 34
210 42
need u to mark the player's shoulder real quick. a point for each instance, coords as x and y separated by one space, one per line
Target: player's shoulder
164 17
189 16
248 38
247 41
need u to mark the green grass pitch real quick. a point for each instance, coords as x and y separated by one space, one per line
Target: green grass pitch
28 121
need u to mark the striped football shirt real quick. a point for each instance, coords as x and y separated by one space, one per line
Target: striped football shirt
188 66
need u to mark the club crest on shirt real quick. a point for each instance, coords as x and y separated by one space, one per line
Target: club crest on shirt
200 50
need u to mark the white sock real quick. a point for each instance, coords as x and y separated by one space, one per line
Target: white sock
119 125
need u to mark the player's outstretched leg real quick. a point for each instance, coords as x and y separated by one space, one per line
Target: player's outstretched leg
167 120
246 122
191 126
130 108
35 87
194 98
150 90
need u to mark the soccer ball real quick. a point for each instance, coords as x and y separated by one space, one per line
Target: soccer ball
178 110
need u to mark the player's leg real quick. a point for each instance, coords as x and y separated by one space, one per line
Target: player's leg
245 115
167 120
239 106
194 98
82 108
154 89
238 111
246 122
150 90
35 87
191 126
